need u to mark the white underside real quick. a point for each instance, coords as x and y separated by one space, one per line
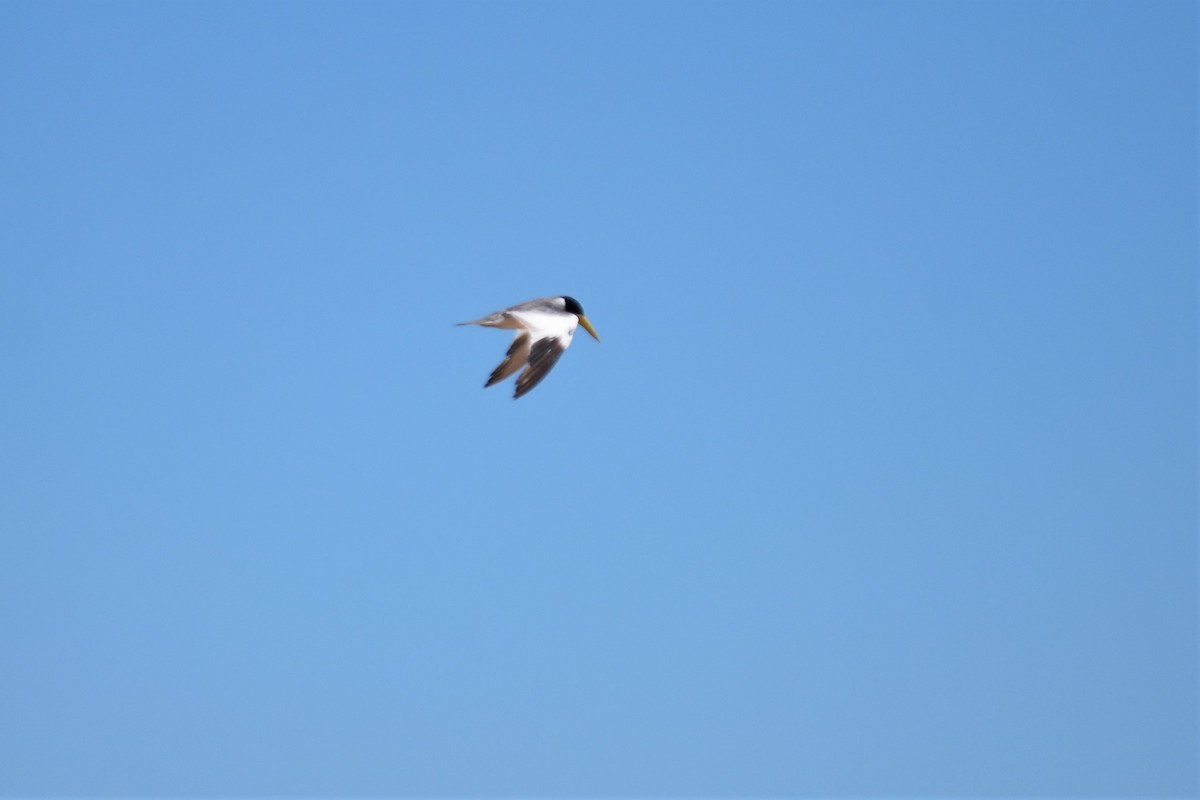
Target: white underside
541 325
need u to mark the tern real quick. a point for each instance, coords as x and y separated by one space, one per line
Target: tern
544 327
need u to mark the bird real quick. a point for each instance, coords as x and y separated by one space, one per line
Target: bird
544 327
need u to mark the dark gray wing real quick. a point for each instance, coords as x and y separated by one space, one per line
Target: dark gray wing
543 355
518 352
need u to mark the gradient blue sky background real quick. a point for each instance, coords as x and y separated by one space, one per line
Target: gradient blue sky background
883 480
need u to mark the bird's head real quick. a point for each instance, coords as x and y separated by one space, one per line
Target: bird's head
571 305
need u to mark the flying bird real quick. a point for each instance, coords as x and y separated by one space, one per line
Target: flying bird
544 329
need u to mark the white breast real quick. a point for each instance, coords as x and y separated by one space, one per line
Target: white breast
541 324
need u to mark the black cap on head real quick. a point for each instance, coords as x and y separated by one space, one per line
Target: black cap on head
572 305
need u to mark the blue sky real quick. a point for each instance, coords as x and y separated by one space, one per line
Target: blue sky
882 481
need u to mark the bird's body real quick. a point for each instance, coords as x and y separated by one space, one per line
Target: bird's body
545 328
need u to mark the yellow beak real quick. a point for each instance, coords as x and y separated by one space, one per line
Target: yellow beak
587 326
